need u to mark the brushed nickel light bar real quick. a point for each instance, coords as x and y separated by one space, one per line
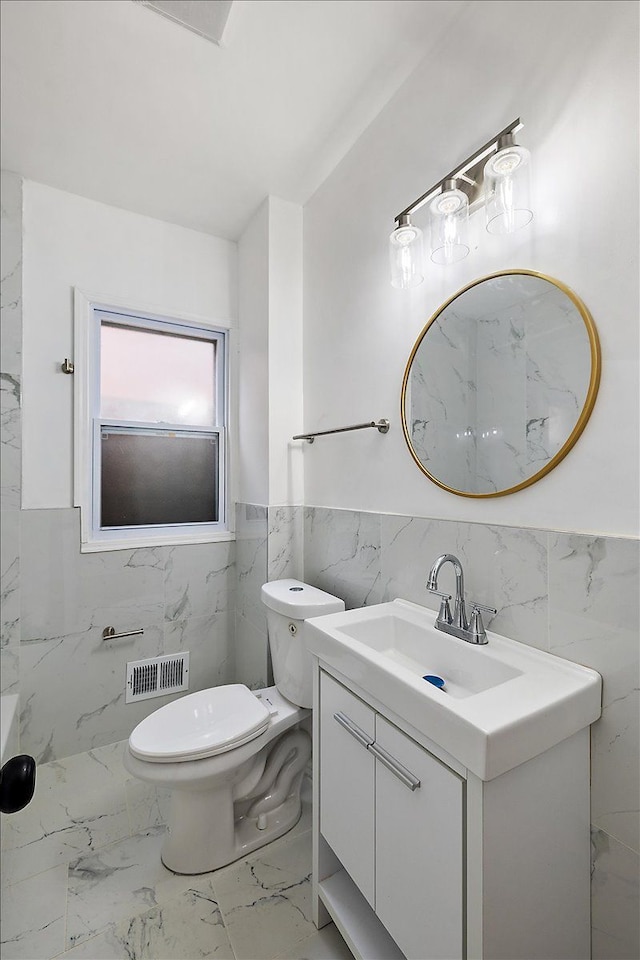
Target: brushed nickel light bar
465 171
496 174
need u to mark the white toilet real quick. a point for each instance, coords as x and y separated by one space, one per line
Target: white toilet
233 758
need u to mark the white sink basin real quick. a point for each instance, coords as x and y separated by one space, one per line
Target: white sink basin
503 702
401 640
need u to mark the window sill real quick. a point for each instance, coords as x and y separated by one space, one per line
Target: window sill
135 543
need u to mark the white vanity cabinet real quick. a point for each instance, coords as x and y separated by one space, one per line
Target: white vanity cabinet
393 815
419 849
347 782
416 858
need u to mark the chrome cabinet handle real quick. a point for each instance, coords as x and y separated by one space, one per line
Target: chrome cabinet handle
353 729
397 769
405 776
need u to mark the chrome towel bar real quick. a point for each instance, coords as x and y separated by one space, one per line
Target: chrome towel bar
381 425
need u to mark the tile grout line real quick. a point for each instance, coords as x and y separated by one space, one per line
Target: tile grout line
224 921
279 844
66 907
612 836
298 942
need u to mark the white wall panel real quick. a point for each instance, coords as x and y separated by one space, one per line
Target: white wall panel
253 372
574 82
70 241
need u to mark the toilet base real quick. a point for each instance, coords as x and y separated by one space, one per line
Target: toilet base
248 837
210 825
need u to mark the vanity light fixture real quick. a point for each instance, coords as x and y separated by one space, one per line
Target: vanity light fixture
507 187
405 254
449 222
496 176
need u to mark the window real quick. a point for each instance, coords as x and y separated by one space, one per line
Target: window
152 447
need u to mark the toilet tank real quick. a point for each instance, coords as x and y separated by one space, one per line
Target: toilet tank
289 603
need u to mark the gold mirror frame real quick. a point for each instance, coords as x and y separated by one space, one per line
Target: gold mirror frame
592 392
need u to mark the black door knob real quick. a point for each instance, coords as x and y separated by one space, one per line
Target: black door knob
17 783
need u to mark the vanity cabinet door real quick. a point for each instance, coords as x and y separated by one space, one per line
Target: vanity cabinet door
347 781
419 850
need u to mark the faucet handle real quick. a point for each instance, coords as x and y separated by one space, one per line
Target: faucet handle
445 615
476 626
482 606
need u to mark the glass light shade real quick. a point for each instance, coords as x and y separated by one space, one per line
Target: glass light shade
507 177
405 255
449 222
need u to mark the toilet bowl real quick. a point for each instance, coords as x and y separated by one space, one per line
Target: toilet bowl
234 758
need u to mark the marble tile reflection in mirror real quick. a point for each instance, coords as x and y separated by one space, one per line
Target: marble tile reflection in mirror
500 384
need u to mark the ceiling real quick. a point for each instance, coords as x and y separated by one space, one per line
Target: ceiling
109 100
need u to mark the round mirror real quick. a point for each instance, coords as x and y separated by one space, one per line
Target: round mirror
500 384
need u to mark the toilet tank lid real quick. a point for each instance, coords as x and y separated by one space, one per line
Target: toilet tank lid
298 600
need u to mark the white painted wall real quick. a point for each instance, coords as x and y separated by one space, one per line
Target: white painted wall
253 374
571 72
70 241
286 482
270 364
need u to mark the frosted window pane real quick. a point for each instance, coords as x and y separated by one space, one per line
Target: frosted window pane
158 479
156 377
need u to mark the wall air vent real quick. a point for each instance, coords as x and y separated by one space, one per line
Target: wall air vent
207 18
157 676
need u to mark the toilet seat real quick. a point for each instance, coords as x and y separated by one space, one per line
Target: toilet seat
200 725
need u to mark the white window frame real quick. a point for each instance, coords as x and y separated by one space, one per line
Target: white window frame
88 313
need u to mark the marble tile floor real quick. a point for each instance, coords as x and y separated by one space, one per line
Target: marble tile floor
120 903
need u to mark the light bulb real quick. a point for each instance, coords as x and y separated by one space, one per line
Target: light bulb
505 162
448 203
405 254
507 187
449 215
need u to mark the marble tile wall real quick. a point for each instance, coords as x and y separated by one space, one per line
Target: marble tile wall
571 594
251 647
10 426
269 543
10 600
286 543
11 277
73 682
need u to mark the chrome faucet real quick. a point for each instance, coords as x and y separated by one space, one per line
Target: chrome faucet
457 623
459 618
